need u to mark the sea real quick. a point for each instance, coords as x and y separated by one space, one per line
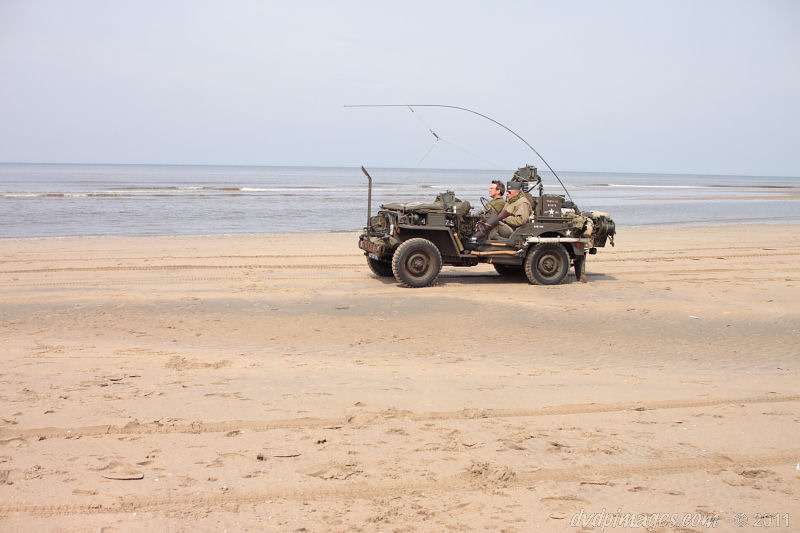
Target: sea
55 200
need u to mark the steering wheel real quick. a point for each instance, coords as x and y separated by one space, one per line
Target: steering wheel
484 202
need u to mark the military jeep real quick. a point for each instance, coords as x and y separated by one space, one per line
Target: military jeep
411 241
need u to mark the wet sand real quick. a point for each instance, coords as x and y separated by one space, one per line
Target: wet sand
272 383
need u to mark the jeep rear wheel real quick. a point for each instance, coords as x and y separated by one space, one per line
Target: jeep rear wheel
417 263
547 264
381 269
508 270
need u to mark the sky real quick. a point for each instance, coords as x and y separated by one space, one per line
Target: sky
678 86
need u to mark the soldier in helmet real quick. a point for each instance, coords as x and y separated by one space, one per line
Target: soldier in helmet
496 204
516 212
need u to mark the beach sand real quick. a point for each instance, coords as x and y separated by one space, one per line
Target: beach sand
272 383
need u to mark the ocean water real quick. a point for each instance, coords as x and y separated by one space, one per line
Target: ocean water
137 200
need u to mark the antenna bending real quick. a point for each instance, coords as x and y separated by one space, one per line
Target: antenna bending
515 134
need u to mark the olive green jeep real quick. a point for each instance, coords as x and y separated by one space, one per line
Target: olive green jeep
411 241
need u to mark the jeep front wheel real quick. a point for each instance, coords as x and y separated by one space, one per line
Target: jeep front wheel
379 268
547 264
417 263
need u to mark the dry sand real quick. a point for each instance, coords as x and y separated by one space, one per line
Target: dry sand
271 383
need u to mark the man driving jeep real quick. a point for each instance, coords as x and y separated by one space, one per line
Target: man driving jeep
496 204
516 212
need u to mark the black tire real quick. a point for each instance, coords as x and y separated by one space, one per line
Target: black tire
508 270
580 268
547 264
382 269
417 263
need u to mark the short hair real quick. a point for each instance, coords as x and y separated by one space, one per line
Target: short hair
500 186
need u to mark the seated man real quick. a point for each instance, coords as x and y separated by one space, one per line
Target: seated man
516 212
496 204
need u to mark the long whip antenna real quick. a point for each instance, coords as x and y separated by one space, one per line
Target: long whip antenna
514 133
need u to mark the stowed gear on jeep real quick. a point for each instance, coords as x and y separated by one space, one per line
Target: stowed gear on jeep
412 241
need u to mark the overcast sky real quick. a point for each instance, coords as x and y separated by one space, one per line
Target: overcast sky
694 86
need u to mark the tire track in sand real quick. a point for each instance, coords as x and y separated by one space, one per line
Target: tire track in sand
374 418
304 262
469 480
182 267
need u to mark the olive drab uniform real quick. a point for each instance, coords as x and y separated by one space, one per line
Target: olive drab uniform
494 206
519 210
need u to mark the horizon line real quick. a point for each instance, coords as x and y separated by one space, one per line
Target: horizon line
357 167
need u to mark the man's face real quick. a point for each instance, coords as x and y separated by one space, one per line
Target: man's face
493 192
512 193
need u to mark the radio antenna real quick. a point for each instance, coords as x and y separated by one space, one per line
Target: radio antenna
514 133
